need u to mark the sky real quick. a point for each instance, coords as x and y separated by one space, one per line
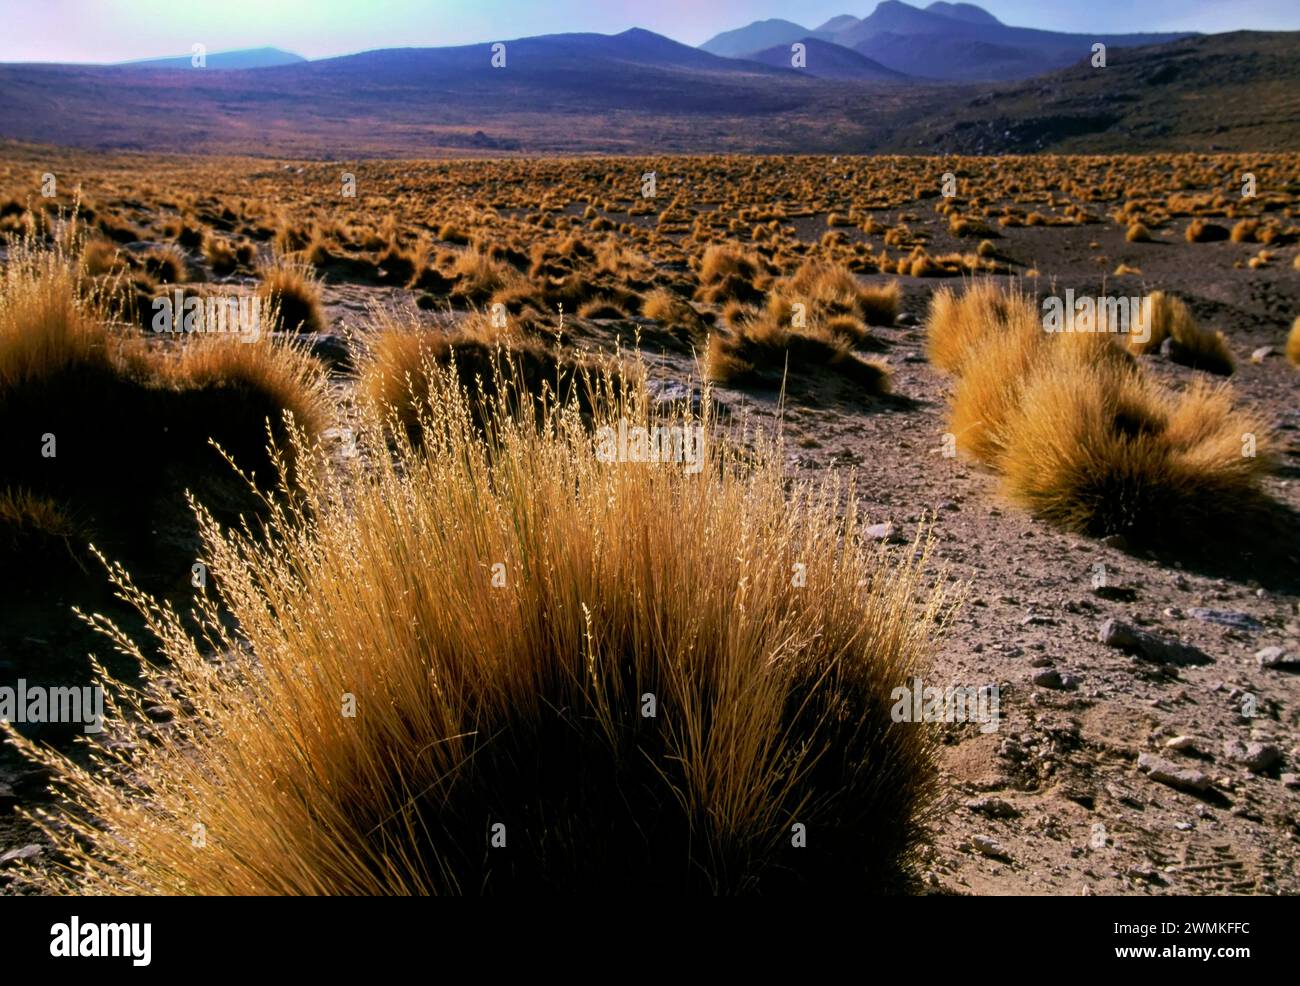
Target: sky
120 30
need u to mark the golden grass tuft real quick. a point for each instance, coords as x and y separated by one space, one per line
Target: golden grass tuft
1080 435
1137 233
1293 343
295 292
499 608
1171 325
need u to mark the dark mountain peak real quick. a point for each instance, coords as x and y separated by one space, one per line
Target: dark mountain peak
962 12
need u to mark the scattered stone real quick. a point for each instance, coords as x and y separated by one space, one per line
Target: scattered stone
1261 354
1042 661
986 846
884 532
1225 617
26 852
1116 593
331 350
1291 781
1163 772
1182 744
1145 874
992 807
1117 633
1118 541
907 319
1277 657
1037 620
1049 678
1255 757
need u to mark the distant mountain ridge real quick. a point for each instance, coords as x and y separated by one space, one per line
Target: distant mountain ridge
947 41
638 92
242 59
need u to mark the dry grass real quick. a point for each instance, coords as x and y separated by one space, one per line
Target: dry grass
295 292
113 410
1138 233
1081 436
516 695
1293 343
1173 327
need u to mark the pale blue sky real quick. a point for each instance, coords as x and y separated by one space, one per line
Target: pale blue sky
117 30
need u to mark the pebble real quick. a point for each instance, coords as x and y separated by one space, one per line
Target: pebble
1117 633
1164 772
26 852
992 807
986 846
1276 657
1255 757
1225 617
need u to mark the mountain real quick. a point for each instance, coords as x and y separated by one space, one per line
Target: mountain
837 24
962 12
962 41
563 93
946 41
245 58
824 60
757 36
1233 91
640 93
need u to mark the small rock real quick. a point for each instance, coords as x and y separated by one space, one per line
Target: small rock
1225 617
1164 772
26 852
1116 593
992 807
1183 744
906 318
1261 354
1115 541
1290 780
1117 633
986 846
1255 757
884 532
1049 678
1277 657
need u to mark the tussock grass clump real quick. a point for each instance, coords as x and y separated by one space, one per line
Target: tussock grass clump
761 347
957 323
1200 231
38 538
118 411
1101 452
728 275
1080 435
671 310
1173 329
295 292
829 290
1138 233
543 646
